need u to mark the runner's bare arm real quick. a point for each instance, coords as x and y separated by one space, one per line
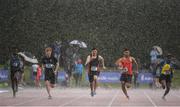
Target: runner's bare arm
102 61
56 68
87 63
88 60
134 60
118 63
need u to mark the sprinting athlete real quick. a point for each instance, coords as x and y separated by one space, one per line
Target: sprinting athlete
50 64
166 76
15 69
93 62
125 63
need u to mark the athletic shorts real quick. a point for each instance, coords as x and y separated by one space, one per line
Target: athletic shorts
126 77
91 75
50 76
167 78
18 76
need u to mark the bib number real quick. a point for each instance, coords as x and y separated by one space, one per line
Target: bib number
49 65
93 68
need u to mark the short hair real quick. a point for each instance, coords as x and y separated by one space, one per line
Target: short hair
126 49
48 49
94 49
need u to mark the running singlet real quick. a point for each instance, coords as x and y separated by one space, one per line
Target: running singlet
49 63
94 64
127 63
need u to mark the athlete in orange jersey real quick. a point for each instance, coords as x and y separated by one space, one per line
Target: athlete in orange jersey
125 63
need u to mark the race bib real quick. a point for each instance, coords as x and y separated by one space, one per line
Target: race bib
124 70
93 68
168 72
49 65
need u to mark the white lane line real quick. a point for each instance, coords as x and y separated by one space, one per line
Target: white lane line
175 94
4 91
115 95
149 98
72 101
34 99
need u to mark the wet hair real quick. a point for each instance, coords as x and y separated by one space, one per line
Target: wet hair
125 49
94 49
48 49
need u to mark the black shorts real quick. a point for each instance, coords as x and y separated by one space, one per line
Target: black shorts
126 77
13 72
167 78
91 75
50 76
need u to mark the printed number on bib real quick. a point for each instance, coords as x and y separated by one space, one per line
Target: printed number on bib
93 68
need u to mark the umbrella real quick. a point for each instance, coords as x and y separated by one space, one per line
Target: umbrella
28 58
81 44
159 49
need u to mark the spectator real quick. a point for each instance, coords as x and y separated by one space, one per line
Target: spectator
154 55
34 72
78 72
38 76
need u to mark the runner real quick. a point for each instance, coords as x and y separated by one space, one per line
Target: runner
125 64
94 62
166 76
15 71
50 64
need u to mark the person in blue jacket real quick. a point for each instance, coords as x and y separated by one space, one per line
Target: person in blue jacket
78 71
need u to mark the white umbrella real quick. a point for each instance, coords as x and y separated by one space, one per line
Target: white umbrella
81 44
28 59
159 49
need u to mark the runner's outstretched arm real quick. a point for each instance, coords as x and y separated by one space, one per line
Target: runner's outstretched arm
102 61
56 68
134 60
119 64
87 60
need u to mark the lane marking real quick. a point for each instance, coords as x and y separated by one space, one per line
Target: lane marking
115 95
19 104
69 102
149 98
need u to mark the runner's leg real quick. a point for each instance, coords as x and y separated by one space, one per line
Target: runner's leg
48 87
123 86
95 83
